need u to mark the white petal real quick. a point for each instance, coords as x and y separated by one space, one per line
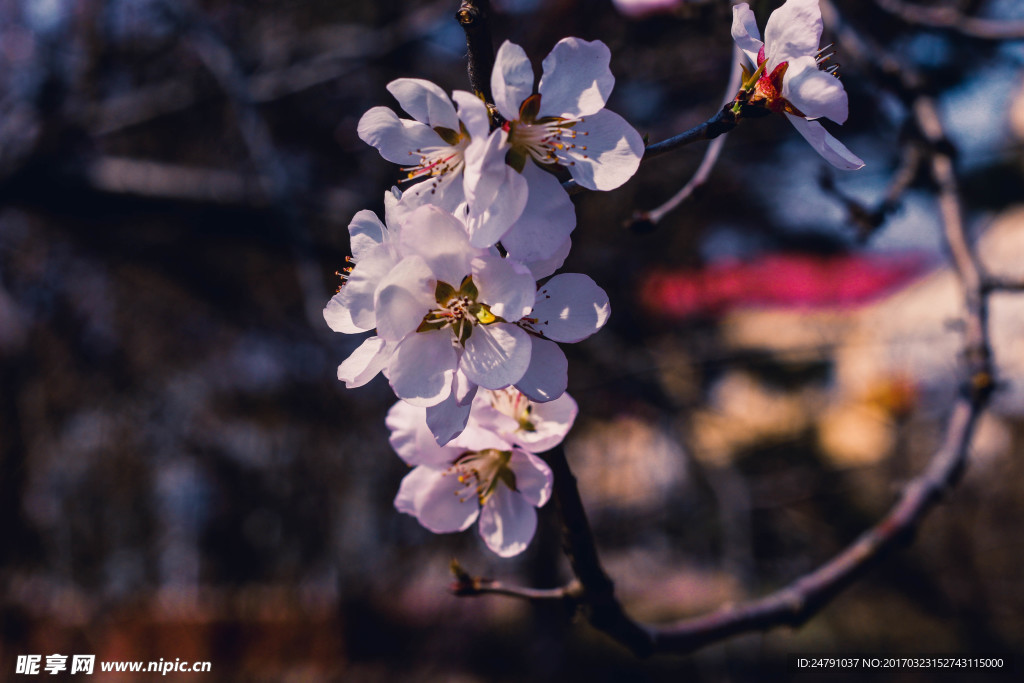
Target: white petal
506 286
496 355
403 297
827 146
613 152
365 232
547 376
544 267
432 497
444 192
552 421
441 241
814 92
422 368
352 309
412 440
473 113
365 362
570 307
546 221
491 226
447 419
486 169
464 390
792 31
745 33
533 477
426 102
577 80
507 522
511 80
396 139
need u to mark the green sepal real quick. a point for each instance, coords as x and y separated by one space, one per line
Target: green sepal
467 288
444 292
529 109
516 158
448 135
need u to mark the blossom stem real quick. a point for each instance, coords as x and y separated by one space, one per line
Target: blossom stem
474 17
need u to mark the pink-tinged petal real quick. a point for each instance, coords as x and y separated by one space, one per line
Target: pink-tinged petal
745 33
792 31
506 286
422 368
473 113
533 477
577 79
548 374
447 419
365 232
412 440
396 139
544 267
814 92
552 421
365 362
511 80
570 307
496 355
440 239
833 151
545 222
507 522
352 309
612 154
403 297
431 496
426 102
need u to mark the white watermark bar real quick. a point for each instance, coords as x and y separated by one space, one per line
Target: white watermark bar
33 665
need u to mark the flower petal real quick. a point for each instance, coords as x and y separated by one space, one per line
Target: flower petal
430 496
547 376
511 80
814 92
447 419
612 154
576 80
792 31
422 368
403 297
545 222
570 307
827 146
396 139
506 286
352 309
365 232
496 355
745 33
552 421
533 477
473 113
441 241
507 522
412 440
544 267
365 362
425 101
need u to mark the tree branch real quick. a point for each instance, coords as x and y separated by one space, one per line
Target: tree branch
474 17
954 20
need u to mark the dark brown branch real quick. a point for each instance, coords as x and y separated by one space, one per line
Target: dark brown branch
474 17
467 585
952 19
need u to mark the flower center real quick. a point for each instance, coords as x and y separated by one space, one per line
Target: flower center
479 472
440 160
457 309
514 404
548 139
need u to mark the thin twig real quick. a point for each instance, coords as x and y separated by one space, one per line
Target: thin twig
711 154
954 20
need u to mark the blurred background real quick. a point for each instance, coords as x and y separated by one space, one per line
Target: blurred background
182 476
